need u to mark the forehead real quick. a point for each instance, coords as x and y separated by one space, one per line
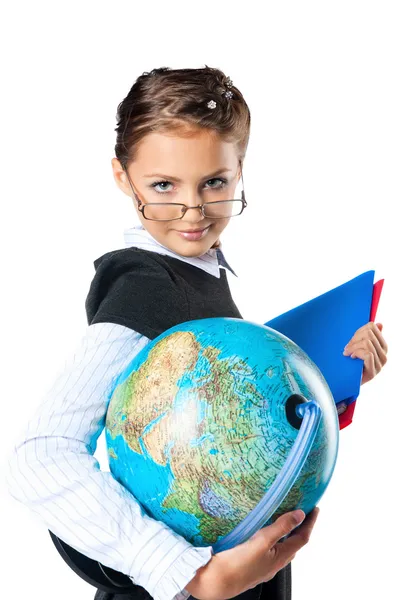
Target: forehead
185 153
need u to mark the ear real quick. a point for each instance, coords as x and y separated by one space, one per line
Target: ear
120 177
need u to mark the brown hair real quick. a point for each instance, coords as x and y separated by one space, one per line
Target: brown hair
176 100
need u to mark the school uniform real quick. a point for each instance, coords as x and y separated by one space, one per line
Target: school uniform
137 293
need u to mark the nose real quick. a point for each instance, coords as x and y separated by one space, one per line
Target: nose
193 214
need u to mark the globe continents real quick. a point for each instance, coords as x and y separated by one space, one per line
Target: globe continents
220 425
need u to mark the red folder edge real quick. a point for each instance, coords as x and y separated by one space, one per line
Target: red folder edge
347 416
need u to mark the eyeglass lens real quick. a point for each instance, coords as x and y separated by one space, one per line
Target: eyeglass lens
213 210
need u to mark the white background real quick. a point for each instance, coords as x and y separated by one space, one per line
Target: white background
322 180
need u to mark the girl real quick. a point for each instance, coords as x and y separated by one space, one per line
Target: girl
181 140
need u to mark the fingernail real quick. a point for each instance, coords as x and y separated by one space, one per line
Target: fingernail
299 516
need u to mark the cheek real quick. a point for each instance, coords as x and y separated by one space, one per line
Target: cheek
220 225
156 228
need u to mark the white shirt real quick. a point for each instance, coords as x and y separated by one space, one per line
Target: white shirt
211 261
52 469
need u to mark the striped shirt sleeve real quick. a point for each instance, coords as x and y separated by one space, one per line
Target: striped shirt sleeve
52 471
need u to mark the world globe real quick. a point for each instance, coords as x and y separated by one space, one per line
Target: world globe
218 426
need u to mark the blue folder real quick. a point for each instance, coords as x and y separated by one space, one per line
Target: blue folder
323 326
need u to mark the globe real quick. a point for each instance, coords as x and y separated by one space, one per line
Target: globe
218 426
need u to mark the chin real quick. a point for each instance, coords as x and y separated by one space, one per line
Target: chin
193 249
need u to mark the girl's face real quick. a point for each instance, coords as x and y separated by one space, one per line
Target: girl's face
169 168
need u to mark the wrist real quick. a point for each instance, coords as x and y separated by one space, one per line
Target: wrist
207 584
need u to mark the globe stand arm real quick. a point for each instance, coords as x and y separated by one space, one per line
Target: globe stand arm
263 511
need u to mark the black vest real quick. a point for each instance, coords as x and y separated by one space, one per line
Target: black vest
149 293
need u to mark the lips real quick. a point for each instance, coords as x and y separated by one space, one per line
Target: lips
194 234
193 230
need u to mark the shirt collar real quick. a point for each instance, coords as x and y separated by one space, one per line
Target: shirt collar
211 261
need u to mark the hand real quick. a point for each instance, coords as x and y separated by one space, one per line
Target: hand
369 345
231 572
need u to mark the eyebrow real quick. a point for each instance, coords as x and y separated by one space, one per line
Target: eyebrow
224 170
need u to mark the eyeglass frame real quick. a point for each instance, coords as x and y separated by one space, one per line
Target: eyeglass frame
141 205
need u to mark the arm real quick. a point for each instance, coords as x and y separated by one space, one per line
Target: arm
52 471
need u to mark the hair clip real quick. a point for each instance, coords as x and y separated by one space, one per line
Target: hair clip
228 94
149 73
228 84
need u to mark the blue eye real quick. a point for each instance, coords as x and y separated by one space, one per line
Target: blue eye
153 185
223 182
157 183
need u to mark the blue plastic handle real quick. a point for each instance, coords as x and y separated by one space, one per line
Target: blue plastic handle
311 414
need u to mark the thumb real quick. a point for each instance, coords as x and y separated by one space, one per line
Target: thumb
379 326
284 525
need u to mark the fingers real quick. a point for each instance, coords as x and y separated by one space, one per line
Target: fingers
262 556
370 332
369 345
286 551
366 348
282 526
377 331
371 369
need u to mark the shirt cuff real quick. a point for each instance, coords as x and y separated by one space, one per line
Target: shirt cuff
170 579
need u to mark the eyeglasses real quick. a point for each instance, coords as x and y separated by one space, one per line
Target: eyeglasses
172 211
